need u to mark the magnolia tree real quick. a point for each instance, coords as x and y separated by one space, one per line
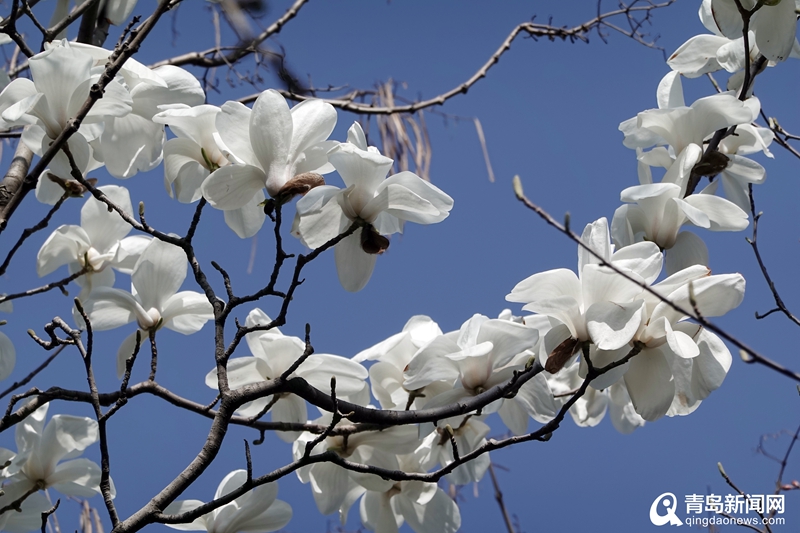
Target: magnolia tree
392 429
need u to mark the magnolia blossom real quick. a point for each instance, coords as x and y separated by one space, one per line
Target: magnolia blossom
702 54
423 506
590 408
256 511
436 449
774 24
737 172
42 453
134 143
100 242
154 301
476 358
270 146
273 354
381 204
61 78
191 157
597 305
660 211
331 484
392 356
680 126
682 363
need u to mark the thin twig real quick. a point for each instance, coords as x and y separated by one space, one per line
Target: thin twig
27 232
498 496
27 379
529 29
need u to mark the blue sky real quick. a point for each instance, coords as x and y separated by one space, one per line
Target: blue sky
550 112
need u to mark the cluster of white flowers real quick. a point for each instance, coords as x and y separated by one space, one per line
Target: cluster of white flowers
639 340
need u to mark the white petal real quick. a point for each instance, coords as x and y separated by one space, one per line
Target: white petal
697 56
184 170
158 274
65 245
440 515
183 506
312 122
125 351
601 358
776 27
689 250
649 383
328 485
110 308
353 265
613 325
8 356
319 216
106 228
131 144
537 399
547 285
248 219
186 312
79 477
233 186
233 125
670 91
271 137
723 215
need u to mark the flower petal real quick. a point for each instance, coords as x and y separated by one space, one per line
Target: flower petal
233 186
353 265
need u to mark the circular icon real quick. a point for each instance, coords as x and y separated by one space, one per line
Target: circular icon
670 504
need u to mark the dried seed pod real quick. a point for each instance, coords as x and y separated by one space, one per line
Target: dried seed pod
300 184
560 355
373 242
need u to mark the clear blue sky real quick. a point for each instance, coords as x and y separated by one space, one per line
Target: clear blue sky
550 112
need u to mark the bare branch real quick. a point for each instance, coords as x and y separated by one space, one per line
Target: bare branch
530 29
213 57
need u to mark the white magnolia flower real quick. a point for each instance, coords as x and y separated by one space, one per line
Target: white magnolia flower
702 54
257 511
330 483
597 305
423 506
661 209
382 204
29 518
154 301
134 143
273 354
436 449
270 145
680 126
655 212
61 78
476 358
191 157
392 356
682 363
47 456
99 243
774 25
